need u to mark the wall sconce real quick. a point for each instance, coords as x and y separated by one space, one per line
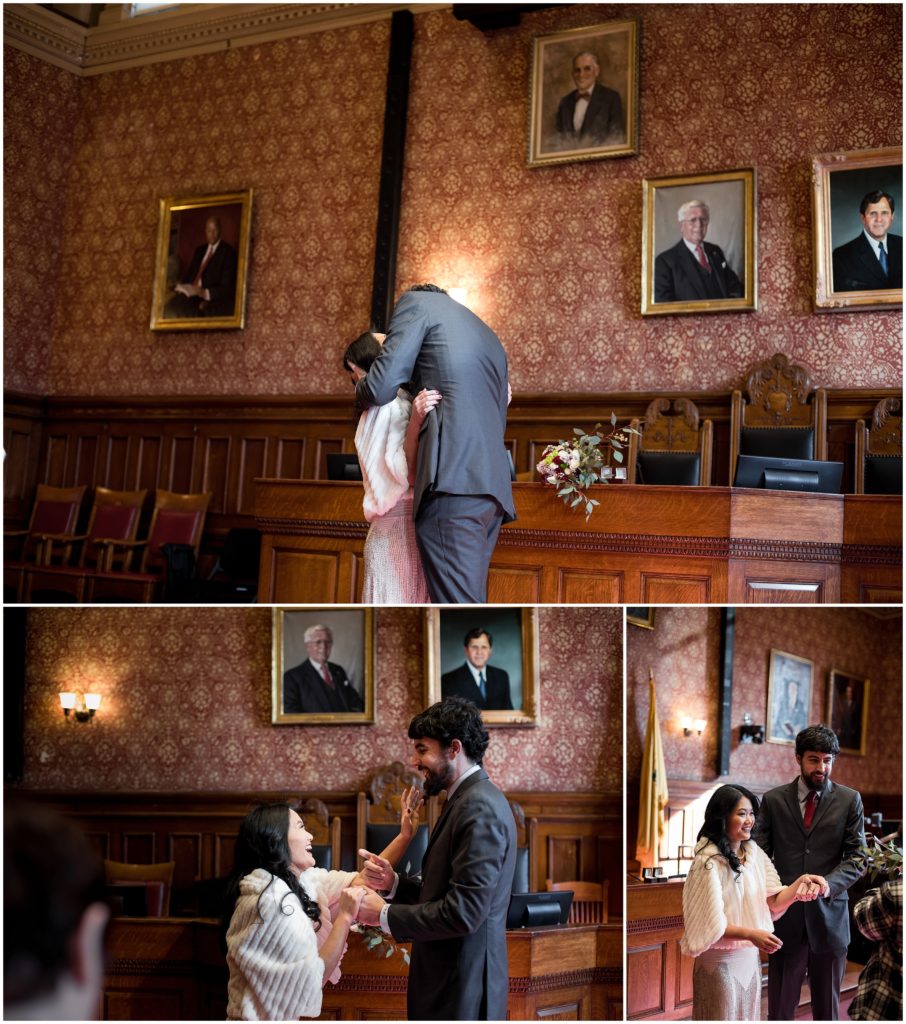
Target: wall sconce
83 706
688 725
749 732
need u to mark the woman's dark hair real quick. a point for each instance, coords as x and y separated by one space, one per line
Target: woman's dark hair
719 808
818 738
263 843
453 718
363 352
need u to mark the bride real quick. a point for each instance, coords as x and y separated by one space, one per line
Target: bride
386 441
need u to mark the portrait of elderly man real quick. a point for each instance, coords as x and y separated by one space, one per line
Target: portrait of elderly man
318 685
694 270
592 114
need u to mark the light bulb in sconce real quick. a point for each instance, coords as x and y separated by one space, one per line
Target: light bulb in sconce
67 702
686 724
81 706
92 701
700 724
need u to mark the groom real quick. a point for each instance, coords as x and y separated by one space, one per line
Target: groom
455 914
462 480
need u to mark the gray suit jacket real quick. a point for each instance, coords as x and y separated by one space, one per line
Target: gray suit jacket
437 343
456 915
828 848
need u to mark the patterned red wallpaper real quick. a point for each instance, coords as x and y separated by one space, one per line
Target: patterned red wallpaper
186 705
550 256
683 651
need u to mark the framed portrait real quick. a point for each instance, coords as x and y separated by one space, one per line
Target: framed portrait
323 666
643 617
584 102
202 262
698 243
490 656
856 199
789 697
847 710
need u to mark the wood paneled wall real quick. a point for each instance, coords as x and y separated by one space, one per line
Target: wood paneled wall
578 836
222 444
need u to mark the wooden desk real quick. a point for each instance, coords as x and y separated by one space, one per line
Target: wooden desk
174 969
643 545
658 976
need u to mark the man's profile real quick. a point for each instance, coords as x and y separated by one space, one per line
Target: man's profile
318 685
693 269
874 258
592 114
485 685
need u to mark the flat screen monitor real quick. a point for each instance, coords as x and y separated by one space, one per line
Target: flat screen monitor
343 466
535 909
776 474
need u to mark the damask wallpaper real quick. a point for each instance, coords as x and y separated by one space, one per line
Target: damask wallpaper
683 651
550 256
186 705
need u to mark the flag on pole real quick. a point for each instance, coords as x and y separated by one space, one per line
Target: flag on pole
653 796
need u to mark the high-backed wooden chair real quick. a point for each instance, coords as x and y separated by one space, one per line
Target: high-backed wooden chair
671 447
116 872
879 450
54 514
589 905
781 414
325 832
525 849
378 815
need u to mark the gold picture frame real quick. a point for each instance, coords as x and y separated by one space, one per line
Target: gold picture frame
671 282
847 710
196 289
298 695
640 616
840 182
789 697
610 125
512 666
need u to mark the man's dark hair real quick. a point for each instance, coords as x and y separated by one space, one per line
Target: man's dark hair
875 197
475 633
453 718
427 288
818 738
720 807
51 876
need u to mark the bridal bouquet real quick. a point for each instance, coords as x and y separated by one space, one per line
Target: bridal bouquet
573 466
881 861
375 940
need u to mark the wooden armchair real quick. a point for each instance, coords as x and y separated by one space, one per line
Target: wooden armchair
670 446
157 877
781 414
378 815
589 905
325 832
879 450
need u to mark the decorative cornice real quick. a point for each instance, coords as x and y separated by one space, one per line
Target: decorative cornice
312 527
185 31
654 924
619 543
871 554
785 550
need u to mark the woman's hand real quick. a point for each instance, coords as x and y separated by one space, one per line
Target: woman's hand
350 900
767 942
810 887
423 403
410 803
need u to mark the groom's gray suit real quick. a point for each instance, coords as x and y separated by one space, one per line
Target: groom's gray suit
462 481
456 915
814 935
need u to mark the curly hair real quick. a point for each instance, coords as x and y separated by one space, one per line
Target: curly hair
818 738
263 843
720 807
453 718
428 288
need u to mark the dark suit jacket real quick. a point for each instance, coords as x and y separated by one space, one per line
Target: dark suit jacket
461 683
219 278
828 849
679 278
856 268
456 916
305 692
437 343
603 120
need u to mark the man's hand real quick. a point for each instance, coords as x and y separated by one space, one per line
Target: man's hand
370 909
377 872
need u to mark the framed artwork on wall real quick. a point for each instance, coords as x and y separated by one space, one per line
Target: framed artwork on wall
789 697
639 616
698 243
584 101
847 710
494 648
323 666
202 262
856 197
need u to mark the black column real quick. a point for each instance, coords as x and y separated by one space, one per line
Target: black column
725 689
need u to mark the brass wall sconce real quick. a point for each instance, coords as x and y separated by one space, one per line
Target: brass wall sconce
81 706
688 725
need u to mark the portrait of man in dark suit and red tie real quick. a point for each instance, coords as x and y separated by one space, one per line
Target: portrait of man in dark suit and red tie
318 685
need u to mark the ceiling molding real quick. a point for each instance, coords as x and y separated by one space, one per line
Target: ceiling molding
186 31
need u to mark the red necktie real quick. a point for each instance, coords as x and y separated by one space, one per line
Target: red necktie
204 263
701 258
811 802
325 674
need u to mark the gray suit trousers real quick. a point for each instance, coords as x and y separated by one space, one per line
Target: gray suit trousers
786 973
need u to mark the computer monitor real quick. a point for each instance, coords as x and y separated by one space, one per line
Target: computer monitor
776 474
536 909
343 466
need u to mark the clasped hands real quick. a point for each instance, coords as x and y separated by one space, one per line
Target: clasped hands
810 887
